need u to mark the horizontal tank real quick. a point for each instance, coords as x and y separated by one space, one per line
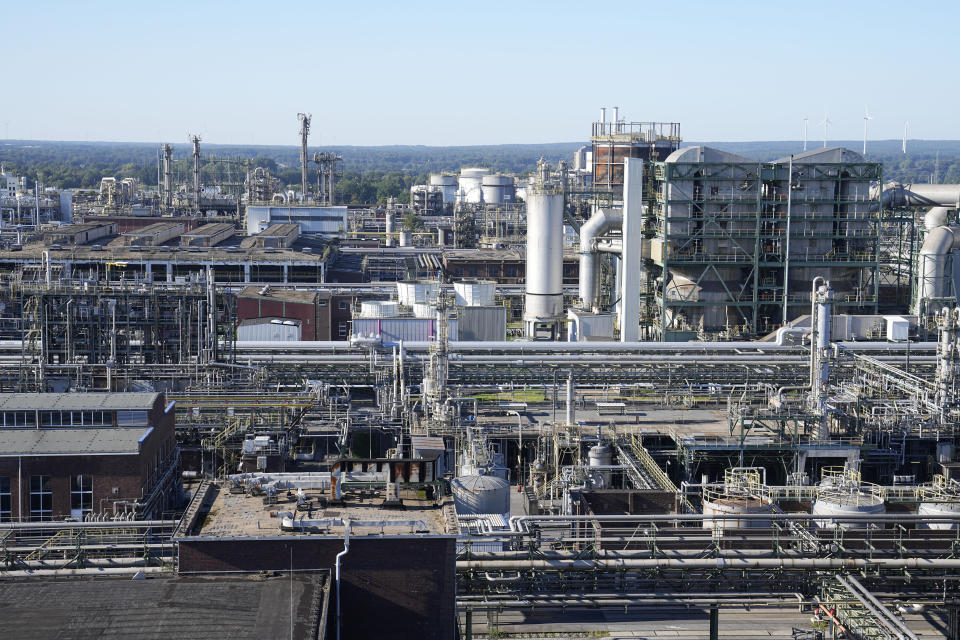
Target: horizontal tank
475 494
475 293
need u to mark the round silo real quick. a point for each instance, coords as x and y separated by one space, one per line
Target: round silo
498 189
476 494
470 184
544 276
448 186
743 492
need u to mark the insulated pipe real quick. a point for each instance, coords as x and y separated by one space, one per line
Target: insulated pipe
713 564
937 246
599 223
346 549
895 194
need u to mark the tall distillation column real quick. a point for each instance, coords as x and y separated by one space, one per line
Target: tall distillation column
543 303
304 134
196 172
822 311
167 176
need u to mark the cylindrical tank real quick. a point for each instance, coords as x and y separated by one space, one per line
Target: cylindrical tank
475 293
471 181
410 292
847 503
601 455
722 504
406 239
379 309
497 189
544 276
390 224
448 186
475 494
938 509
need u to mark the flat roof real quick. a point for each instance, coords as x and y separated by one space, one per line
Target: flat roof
80 227
282 229
210 229
72 441
76 401
279 293
185 255
239 515
239 607
152 229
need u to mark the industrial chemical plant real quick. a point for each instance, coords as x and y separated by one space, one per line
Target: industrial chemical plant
655 387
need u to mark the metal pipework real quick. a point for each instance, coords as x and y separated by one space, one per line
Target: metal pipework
895 194
713 564
601 222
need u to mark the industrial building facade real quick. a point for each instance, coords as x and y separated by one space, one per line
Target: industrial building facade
86 455
735 244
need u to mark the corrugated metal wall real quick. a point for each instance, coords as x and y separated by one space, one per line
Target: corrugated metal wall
482 323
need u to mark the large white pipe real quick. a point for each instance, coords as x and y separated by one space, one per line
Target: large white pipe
895 194
601 222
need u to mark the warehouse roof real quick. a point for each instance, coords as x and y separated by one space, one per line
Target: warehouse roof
210 229
280 294
76 401
195 607
72 441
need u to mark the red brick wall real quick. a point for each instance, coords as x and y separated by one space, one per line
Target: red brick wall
248 308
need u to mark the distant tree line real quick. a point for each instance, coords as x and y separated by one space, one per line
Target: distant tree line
374 174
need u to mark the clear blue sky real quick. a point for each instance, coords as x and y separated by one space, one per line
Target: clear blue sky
490 72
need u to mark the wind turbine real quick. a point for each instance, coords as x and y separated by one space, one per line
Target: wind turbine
906 123
866 118
826 124
805 120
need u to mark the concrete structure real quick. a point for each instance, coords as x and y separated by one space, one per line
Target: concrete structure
152 235
83 454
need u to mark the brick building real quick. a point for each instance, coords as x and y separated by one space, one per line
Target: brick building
323 315
83 454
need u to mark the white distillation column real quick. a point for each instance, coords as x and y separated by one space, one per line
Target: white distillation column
822 311
543 302
948 320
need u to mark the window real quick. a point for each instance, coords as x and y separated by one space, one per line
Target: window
344 305
19 418
5 500
343 329
81 496
322 303
131 418
41 498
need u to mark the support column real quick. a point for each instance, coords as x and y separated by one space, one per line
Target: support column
169 272
246 272
286 273
631 263
714 622
148 269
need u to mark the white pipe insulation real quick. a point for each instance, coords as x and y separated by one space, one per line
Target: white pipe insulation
600 223
935 263
895 194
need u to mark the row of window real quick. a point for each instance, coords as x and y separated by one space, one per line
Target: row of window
41 498
73 418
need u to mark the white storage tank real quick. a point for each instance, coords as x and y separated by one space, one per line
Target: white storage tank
498 189
544 260
475 293
843 494
940 497
728 504
470 184
379 309
411 292
601 455
448 186
476 494
939 509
